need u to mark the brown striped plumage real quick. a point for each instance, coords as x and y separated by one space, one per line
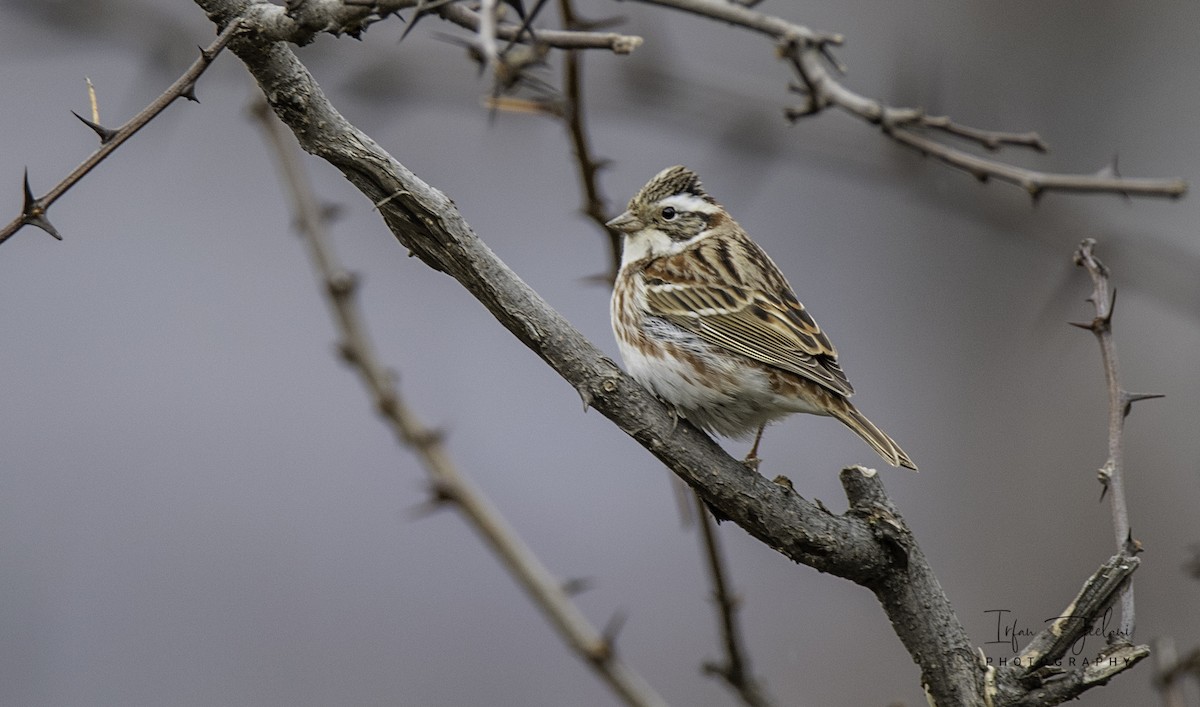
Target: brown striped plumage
706 321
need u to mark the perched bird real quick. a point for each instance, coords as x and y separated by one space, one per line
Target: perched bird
708 323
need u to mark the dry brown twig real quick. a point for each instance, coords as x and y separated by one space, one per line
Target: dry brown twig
1120 401
809 53
595 206
735 670
449 486
33 212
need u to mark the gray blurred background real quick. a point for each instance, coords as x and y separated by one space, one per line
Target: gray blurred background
198 507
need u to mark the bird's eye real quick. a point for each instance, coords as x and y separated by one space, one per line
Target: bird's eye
668 213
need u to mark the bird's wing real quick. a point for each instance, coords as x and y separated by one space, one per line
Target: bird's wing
753 313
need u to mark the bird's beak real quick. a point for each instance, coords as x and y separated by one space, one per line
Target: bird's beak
626 223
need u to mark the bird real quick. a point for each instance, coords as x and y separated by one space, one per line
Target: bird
707 322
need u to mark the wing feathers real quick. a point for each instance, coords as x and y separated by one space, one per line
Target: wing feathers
763 320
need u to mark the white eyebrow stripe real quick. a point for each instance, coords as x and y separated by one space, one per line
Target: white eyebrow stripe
688 202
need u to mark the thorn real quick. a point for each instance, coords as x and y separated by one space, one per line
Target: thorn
423 8
441 492
586 396
1130 398
347 353
821 505
205 54
342 284
424 439
577 586
34 214
1090 326
440 498
331 212
785 482
1104 476
105 134
189 92
611 629
1132 546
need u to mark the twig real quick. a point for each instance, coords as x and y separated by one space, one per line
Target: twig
559 39
487 35
1112 474
594 204
735 671
34 210
808 53
449 485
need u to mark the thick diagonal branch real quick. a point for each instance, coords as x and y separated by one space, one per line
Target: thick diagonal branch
427 222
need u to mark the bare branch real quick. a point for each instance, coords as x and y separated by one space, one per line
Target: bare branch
487 34
34 212
1112 474
595 206
450 486
559 39
735 671
808 52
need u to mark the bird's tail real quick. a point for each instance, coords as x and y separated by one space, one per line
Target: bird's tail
845 411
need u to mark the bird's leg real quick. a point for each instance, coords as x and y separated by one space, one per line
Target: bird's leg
752 459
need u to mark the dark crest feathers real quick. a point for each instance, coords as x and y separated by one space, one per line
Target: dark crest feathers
673 180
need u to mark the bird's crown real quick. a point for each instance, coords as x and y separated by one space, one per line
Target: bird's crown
669 182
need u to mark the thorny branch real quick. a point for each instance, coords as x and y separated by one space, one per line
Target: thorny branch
1120 401
809 54
869 544
449 485
302 20
33 213
735 671
594 204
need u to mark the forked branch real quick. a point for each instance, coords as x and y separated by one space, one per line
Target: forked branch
809 53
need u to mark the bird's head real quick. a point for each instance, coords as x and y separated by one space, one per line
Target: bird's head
668 215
